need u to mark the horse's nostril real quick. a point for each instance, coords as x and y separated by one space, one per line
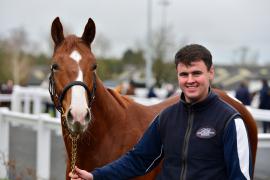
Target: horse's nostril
88 115
69 116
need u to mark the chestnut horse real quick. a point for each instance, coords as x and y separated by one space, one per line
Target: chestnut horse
108 124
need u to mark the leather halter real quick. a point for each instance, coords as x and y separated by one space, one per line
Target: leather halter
58 98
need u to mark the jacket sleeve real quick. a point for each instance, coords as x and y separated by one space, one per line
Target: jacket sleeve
141 159
237 151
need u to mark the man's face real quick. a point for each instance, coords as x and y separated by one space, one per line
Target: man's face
194 80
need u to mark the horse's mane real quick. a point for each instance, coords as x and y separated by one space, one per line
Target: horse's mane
122 100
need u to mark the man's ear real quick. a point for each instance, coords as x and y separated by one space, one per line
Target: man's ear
211 73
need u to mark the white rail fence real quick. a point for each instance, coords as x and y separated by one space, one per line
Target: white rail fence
44 125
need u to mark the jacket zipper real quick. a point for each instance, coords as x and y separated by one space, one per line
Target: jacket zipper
185 145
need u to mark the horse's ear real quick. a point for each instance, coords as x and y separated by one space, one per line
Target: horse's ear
57 31
89 32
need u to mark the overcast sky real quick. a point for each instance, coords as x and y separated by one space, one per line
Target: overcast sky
223 26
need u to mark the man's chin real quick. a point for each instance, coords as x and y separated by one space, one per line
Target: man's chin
192 95
191 99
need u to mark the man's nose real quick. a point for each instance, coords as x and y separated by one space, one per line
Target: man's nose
190 78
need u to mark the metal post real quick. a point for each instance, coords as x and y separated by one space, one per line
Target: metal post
164 4
149 62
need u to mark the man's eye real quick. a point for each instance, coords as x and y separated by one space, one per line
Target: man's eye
197 73
183 74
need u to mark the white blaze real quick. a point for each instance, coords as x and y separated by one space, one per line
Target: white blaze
78 98
75 55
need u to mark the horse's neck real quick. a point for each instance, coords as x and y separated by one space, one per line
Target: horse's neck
108 103
109 123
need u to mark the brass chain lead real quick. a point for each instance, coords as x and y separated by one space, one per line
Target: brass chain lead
74 138
73 152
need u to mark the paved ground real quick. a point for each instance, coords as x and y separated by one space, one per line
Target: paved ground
23 156
262 169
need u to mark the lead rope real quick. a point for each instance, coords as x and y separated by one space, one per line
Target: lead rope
74 139
73 152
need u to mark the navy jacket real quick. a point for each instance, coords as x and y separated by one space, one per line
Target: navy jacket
264 98
243 95
206 140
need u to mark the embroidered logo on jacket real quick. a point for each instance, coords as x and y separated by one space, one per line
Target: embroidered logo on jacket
206 132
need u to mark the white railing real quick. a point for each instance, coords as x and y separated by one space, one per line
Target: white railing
27 95
39 96
5 98
41 123
44 125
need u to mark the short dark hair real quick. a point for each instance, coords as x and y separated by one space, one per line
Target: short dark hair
191 53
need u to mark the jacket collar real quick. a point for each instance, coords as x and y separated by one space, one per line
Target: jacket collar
202 104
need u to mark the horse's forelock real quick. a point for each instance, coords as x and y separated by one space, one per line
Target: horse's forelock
72 43
69 44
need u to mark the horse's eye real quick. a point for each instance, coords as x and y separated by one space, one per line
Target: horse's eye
55 67
94 67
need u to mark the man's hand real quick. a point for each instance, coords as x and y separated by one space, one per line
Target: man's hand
80 174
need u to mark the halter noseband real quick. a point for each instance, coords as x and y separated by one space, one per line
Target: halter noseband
58 99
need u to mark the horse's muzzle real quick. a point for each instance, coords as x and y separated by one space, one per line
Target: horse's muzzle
78 122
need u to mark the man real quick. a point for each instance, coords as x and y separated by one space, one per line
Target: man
242 93
265 101
200 137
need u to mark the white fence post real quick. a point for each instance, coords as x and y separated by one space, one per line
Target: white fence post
37 104
27 104
43 150
16 99
4 147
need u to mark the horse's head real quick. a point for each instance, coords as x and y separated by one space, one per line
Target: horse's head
72 80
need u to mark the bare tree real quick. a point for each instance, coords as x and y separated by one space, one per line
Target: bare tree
162 42
16 46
